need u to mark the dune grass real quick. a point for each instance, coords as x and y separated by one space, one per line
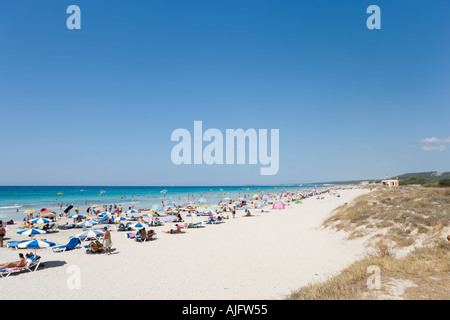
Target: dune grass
401 214
428 268
392 219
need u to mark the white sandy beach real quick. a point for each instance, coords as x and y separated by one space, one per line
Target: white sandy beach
261 257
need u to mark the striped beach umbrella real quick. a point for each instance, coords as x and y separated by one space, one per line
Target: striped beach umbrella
87 223
118 219
89 234
140 225
35 244
132 211
29 232
40 220
76 216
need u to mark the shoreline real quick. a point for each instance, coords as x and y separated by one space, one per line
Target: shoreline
261 257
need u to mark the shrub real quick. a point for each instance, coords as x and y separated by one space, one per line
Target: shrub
444 183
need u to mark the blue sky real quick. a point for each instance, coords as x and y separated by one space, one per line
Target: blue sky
97 106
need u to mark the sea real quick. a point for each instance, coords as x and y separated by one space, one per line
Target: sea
15 200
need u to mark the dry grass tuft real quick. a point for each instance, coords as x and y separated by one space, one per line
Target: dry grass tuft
393 218
402 212
427 268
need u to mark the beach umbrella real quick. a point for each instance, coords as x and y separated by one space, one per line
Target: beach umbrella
202 200
40 220
168 218
103 219
228 199
87 223
68 209
140 225
30 211
35 244
89 234
132 211
255 196
170 203
157 207
118 219
76 216
30 232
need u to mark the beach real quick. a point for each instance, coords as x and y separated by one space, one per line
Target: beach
260 257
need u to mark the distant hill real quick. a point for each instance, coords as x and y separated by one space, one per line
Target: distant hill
426 179
431 175
430 178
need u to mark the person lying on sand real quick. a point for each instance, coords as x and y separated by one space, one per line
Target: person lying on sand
177 229
15 264
148 235
95 246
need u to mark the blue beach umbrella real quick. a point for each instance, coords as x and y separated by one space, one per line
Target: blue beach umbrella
103 219
40 220
86 223
89 234
76 216
140 225
35 244
118 219
29 232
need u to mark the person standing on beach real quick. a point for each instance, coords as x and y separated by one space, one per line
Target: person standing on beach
2 234
107 240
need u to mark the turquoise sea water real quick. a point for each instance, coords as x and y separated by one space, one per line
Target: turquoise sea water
21 198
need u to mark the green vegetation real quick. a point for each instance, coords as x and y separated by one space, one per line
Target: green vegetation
426 179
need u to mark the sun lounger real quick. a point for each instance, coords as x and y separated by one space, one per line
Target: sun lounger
14 244
73 243
70 226
214 221
52 228
122 227
31 265
194 225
